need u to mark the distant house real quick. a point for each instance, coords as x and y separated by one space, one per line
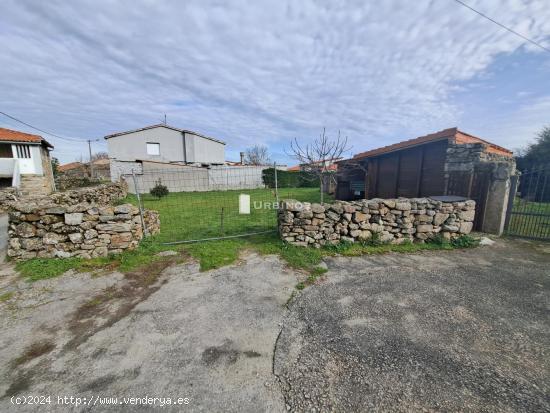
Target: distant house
25 162
161 144
332 166
100 169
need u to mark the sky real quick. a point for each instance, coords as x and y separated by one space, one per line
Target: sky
266 72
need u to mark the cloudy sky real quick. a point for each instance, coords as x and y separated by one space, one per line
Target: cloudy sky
263 71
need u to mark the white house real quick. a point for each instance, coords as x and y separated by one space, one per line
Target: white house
161 144
25 162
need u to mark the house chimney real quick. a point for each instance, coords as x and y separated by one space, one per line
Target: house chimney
242 158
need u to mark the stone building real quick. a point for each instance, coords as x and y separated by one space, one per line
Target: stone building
25 162
448 162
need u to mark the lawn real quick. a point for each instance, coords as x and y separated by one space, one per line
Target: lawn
197 215
535 224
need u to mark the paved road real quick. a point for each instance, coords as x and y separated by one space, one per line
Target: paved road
467 330
438 331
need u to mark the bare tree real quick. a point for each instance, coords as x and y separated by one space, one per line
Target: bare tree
100 155
256 155
317 156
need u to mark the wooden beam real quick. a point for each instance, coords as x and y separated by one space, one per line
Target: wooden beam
419 171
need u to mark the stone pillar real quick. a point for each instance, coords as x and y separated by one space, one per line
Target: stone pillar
497 197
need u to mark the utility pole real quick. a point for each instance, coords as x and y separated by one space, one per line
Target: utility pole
90 151
165 119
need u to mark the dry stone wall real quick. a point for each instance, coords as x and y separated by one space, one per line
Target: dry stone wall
80 223
390 220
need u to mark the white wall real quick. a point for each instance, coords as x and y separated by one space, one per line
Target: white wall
32 165
133 146
203 150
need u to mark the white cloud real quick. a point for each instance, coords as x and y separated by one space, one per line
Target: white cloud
250 72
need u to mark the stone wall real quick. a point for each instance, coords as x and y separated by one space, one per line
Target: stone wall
80 223
393 220
474 157
7 196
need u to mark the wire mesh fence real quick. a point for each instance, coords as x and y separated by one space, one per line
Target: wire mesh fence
528 214
198 203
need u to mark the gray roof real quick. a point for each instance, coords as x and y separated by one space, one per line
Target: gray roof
162 125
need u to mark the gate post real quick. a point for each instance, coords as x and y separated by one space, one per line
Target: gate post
512 195
276 183
139 204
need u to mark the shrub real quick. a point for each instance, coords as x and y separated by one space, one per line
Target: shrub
159 190
438 239
465 241
287 179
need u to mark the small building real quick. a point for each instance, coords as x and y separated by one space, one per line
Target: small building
161 144
100 169
25 162
448 162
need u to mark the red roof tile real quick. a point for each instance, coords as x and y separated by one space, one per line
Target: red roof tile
451 134
69 166
9 135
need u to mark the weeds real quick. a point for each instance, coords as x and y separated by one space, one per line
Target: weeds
35 350
216 254
6 296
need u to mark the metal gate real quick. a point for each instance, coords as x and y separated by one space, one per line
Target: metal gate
528 213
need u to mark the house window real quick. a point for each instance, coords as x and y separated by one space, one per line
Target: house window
5 151
153 148
23 151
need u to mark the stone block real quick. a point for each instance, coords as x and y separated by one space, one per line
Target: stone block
466 227
74 218
25 230
119 227
403 205
51 238
440 218
360 217
55 211
450 228
75 237
467 215
423 228
31 244
317 208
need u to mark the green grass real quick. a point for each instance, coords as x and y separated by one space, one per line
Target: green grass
537 226
197 215
44 268
6 296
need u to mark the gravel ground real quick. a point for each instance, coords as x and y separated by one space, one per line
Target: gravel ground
459 331
448 331
208 337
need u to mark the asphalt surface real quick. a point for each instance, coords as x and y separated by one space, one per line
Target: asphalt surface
460 331
441 331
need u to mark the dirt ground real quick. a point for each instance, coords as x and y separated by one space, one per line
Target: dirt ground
440 331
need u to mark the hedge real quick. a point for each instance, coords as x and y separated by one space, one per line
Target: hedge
286 179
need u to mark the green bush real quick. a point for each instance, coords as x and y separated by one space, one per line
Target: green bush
465 241
438 239
287 179
159 190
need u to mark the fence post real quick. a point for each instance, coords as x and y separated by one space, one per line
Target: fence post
511 197
276 183
139 203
